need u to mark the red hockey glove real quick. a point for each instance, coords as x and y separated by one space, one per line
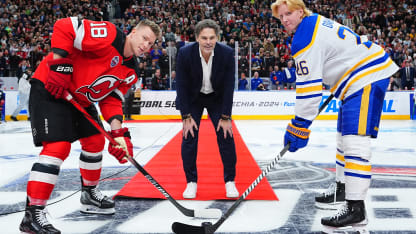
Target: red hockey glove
59 76
124 147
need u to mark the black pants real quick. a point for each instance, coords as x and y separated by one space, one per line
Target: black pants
190 145
56 119
128 106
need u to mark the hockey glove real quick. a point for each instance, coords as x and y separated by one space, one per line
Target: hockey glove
60 73
124 147
297 134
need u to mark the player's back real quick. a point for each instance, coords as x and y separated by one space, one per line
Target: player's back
339 56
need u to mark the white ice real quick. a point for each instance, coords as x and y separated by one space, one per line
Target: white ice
395 147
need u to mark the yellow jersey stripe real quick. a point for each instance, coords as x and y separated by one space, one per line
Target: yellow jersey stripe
313 38
365 100
365 74
309 89
340 157
358 167
354 67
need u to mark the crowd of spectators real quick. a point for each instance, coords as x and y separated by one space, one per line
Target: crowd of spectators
263 44
26 28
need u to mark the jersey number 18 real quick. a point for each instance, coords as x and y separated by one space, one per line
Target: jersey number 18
97 31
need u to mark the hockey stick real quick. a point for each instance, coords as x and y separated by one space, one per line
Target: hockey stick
208 227
201 213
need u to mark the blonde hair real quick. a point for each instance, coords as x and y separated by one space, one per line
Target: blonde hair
291 5
152 25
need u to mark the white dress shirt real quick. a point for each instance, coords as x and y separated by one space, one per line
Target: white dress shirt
206 74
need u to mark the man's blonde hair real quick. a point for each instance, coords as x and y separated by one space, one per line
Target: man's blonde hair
152 25
292 5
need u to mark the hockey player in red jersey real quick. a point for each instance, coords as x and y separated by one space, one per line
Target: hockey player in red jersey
95 62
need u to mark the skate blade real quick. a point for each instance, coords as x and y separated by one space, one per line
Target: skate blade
25 232
329 206
90 209
22 232
358 228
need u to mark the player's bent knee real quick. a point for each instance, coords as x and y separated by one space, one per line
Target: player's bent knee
356 145
59 149
93 143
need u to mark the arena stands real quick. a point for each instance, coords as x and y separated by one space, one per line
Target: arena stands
26 28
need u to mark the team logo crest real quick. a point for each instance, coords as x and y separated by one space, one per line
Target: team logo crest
115 61
100 88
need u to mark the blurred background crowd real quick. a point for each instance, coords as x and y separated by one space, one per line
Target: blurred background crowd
262 45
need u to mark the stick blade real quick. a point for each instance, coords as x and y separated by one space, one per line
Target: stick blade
208 213
183 228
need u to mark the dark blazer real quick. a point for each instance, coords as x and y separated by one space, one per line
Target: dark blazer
189 77
403 77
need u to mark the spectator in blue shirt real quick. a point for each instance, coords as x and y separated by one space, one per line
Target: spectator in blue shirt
256 63
278 78
242 82
172 80
155 53
290 72
257 82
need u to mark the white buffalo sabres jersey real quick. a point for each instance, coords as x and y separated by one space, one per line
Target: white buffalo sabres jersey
328 52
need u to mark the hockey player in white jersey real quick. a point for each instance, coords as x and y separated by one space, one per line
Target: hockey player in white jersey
358 71
24 91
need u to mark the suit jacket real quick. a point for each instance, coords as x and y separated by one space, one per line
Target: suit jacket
189 77
403 76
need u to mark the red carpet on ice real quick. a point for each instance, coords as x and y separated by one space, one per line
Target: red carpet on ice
166 169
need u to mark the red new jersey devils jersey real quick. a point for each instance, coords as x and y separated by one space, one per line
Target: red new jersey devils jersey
96 49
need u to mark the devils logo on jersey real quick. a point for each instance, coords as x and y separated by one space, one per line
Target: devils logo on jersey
100 88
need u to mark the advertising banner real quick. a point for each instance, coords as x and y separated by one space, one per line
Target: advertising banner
247 105
271 104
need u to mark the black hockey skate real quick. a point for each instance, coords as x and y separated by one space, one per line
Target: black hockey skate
94 202
350 217
332 198
35 221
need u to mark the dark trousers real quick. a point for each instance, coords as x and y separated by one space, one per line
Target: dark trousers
128 106
190 145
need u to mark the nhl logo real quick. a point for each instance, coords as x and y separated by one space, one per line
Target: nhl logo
114 61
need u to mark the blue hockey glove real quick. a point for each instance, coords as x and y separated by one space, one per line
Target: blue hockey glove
297 133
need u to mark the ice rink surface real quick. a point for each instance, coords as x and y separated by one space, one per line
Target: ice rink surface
296 180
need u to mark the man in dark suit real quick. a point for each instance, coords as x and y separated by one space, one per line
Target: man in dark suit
205 79
407 75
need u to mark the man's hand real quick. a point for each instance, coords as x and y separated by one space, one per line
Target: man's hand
297 134
188 127
124 147
226 126
59 76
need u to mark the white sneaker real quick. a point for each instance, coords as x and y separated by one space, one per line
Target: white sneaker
190 191
232 191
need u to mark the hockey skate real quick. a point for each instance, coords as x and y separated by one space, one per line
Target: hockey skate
35 221
332 198
351 217
94 202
